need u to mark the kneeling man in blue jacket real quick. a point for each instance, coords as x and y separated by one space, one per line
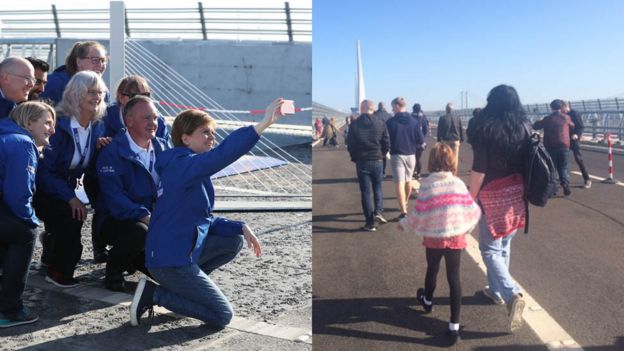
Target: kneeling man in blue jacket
128 185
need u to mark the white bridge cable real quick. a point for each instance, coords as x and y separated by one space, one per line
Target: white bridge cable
230 117
227 116
155 84
203 96
134 55
181 98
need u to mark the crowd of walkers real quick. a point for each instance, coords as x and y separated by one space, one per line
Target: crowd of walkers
150 189
445 209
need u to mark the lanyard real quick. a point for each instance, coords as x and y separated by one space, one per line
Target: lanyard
151 163
81 152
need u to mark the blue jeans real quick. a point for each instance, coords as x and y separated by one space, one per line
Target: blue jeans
560 159
190 292
17 240
370 177
496 254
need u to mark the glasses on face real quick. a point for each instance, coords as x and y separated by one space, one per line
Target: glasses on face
95 60
131 95
30 80
94 93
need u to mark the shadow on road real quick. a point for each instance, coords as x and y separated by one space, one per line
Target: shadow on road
352 318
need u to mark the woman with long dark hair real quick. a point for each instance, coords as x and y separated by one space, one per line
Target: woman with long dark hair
498 137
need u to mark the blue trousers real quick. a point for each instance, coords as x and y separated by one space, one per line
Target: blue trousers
370 177
189 291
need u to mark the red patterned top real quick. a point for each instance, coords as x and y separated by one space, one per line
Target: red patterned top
457 242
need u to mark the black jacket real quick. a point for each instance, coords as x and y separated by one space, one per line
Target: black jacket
450 128
578 123
368 139
383 115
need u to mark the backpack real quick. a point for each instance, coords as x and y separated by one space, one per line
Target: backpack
540 181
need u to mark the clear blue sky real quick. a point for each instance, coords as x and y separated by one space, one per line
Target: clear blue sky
429 51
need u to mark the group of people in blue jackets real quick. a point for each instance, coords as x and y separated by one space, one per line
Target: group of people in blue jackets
150 189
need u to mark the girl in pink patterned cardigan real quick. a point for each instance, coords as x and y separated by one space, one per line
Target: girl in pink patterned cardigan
443 214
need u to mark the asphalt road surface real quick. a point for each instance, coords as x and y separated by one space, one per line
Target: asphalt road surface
364 284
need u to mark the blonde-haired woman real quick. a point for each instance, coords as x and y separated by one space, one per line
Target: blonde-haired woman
27 129
71 154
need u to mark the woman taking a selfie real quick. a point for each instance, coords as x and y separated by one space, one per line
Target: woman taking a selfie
185 242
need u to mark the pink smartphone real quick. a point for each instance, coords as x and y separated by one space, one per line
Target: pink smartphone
288 107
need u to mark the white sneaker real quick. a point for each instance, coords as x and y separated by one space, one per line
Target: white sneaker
588 184
515 307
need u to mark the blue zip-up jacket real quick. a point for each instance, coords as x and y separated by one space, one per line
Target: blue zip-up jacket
18 164
54 177
57 81
127 190
114 125
405 134
182 216
6 105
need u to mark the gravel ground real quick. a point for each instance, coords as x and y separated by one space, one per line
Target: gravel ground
269 288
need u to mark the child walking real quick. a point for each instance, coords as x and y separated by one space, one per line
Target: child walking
443 214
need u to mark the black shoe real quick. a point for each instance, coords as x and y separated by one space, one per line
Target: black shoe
142 301
453 336
369 228
115 284
566 191
24 316
60 280
420 296
401 216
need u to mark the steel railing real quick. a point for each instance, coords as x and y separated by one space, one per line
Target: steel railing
201 22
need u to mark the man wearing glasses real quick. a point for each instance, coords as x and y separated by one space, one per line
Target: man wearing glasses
83 56
41 78
17 77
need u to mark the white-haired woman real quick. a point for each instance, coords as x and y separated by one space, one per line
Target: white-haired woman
70 155
27 129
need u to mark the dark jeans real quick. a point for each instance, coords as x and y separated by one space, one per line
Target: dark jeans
370 178
576 151
128 241
452 258
560 159
92 189
65 247
18 242
418 155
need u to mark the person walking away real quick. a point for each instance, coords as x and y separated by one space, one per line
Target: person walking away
499 140
575 141
557 129
450 130
405 137
424 125
367 144
329 131
443 214
383 114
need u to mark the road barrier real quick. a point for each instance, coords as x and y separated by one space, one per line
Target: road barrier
610 180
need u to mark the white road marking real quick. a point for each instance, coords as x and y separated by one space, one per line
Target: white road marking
596 177
546 328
